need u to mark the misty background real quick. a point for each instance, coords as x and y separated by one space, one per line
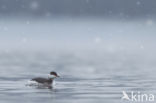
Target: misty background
87 33
98 47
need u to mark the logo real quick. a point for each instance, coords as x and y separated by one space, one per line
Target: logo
137 96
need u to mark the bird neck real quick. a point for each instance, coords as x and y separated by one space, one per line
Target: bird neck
50 80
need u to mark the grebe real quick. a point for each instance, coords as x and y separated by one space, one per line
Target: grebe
48 82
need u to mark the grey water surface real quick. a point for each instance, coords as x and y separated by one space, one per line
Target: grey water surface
96 60
79 81
100 48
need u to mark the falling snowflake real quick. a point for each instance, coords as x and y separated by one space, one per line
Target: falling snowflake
97 40
34 5
87 1
138 3
4 7
141 47
24 40
121 14
5 28
149 22
110 12
47 14
27 22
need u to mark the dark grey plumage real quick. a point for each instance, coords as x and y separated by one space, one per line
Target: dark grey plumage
46 82
43 80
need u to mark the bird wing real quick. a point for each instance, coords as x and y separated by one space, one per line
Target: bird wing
40 80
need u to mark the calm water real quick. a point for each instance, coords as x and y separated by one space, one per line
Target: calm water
82 80
113 56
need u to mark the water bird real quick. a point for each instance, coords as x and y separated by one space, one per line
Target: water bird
47 82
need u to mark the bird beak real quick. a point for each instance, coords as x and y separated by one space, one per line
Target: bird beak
57 76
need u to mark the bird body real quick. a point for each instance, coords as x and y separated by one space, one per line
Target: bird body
46 82
43 80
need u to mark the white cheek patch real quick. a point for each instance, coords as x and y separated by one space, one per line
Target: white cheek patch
51 76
